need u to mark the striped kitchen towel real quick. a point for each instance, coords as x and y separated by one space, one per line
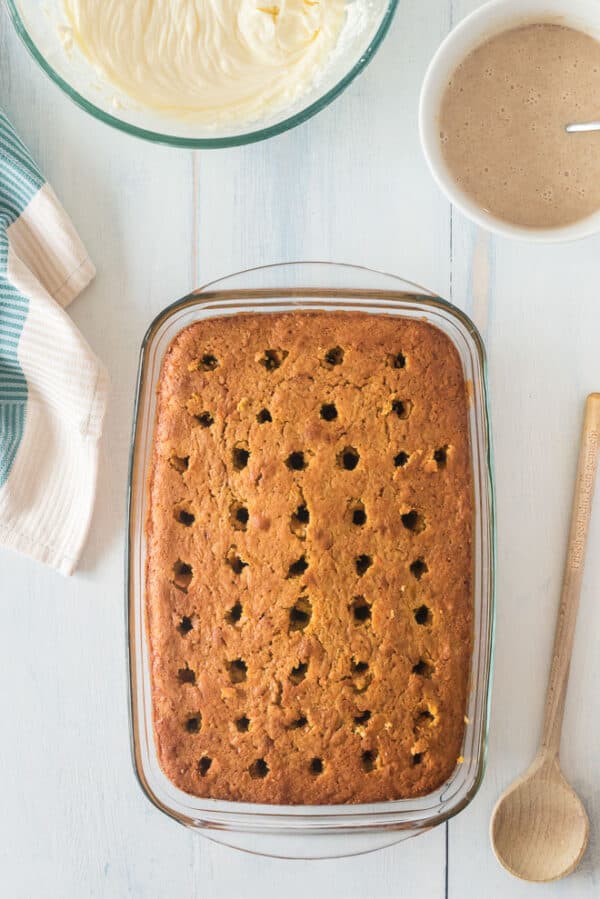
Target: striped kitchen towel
52 388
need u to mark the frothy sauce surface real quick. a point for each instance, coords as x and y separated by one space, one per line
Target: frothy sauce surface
502 121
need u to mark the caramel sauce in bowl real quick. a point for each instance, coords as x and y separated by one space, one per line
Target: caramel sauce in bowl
494 103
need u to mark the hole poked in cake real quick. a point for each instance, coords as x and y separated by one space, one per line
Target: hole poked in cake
362 564
348 458
397 360
423 615
362 718
360 609
401 459
238 516
234 614
204 419
417 757
237 670
296 461
423 668
440 456
184 516
300 614
360 674
185 625
259 769
186 675
300 519
240 456
402 408
316 766
208 362
193 724
273 359
298 723
418 568
328 412
413 521
182 575
424 718
369 760
298 567
242 724
241 516
264 416
180 463
358 513
334 356
235 561
204 765
298 673
358 667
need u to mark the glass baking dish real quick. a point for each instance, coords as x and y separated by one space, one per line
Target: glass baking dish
313 831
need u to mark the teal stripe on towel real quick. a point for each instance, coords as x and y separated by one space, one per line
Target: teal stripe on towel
19 183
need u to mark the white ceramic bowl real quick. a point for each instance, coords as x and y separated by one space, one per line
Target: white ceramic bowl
487 21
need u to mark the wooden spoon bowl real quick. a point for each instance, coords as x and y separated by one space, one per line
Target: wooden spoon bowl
539 827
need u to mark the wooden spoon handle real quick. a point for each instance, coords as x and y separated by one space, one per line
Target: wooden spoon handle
569 602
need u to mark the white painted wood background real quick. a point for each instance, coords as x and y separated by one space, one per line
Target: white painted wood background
350 185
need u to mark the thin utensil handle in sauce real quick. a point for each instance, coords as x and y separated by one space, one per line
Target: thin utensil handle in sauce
573 575
577 127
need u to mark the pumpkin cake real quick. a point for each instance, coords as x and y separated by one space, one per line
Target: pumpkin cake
309 558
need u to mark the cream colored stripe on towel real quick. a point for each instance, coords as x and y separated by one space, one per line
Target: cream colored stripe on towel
55 256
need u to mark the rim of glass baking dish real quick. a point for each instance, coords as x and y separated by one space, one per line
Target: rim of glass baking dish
400 298
204 143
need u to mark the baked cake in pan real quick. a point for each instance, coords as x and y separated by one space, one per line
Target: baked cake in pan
309 558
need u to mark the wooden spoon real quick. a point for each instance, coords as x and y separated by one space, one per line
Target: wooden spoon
539 827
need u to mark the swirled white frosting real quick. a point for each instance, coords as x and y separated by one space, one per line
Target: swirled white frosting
208 59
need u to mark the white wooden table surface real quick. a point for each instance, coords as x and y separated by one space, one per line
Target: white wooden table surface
350 185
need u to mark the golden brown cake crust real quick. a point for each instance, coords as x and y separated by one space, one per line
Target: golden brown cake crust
320 661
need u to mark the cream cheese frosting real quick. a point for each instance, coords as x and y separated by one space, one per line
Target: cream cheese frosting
213 60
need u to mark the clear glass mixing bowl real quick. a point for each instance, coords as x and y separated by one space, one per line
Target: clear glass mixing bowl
38 23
